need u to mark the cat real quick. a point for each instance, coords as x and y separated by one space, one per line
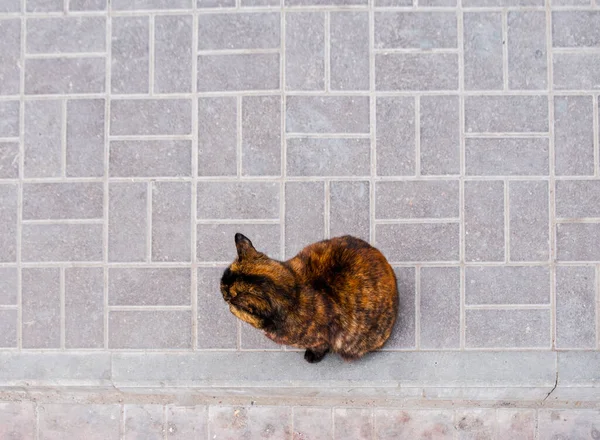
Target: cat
337 295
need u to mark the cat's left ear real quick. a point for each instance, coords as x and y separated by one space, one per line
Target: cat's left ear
244 246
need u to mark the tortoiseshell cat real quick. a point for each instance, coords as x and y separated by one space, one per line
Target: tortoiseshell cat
336 295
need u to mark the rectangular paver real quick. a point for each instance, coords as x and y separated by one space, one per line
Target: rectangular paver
149 329
440 307
508 328
404 332
305 51
429 199
395 136
84 307
419 242
304 217
507 285
483 50
349 208
261 136
349 51
529 222
41 308
573 135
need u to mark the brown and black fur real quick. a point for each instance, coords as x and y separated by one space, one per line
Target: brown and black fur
336 295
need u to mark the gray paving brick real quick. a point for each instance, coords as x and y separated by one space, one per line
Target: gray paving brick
171 217
314 423
10 6
130 55
349 209
9 160
10 54
419 242
236 72
217 327
150 4
578 368
349 51
215 241
66 34
324 2
173 54
87 5
573 135
9 118
577 198
217 136
578 241
529 221
187 423
304 219
575 307
426 71
252 338
403 335
150 116
94 422
259 2
238 200
143 421
84 307
41 307
8 286
239 31
44 6
304 51
150 158
576 29
395 423
417 199
167 329
508 328
507 156
64 75
149 286
18 418
568 423
502 3
62 201
127 221
328 157
8 223
507 113
327 114
216 3
576 71
527 57
354 423
42 139
419 30
8 329
440 307
517 424
241 422
507 285
380 3
261 135
62 242
475 423
85 138
440 135
484 221
396 143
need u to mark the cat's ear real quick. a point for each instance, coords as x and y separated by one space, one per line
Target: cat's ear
244 246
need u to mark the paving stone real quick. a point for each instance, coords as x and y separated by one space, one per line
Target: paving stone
354 423
506 113
484 221
529 221
94 422
216 3
8 223
576 29
507 285
41 307
396 143
527 57
64 75
10 53
568 423
66 34
187 423
576 71
143 422
150 116
150 4
517 424
418 30
246 30
575 307
62 242
349 209
84 307
11 6
403 335
133 158
483 42
17 420
237 72
380 3
349 51
9 160
149 286
328 157
165 329
501 3
127 221
578 368
325 2
304 219
440 307
254 2
8 330
171 221
426 71
417 199
254 422
238 200
130 55
45 6
578 241
419 242
261 136
62 201
217 136
508 328
173 54
507 156
439 135
254 339
304 51
474 424
217 327
327 114
577 198
8 286
87 5
9 118
573 135
85 138
312 423
216 241
395 423
42 141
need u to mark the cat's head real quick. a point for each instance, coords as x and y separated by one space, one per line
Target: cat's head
256 287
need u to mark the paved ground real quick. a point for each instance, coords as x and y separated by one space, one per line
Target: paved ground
461 139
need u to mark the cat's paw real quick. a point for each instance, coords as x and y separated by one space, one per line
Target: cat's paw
313 357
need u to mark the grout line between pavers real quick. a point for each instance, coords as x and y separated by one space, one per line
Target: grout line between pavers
106 174
62 295
72 55
194 207
20 181
123 415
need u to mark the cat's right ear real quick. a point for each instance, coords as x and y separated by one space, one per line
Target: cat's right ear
244 246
